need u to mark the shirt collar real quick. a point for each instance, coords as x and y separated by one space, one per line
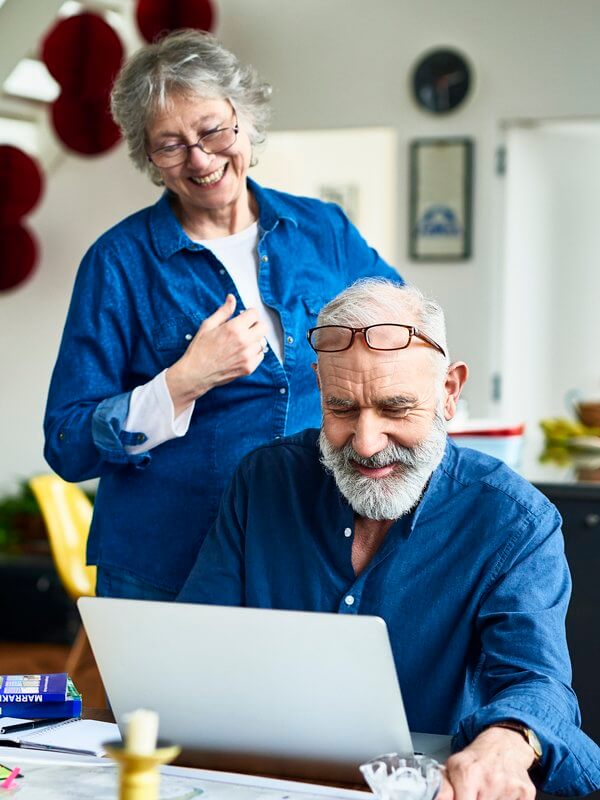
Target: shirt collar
271 207
166 231
169 237
433 487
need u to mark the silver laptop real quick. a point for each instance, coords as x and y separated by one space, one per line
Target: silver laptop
292 693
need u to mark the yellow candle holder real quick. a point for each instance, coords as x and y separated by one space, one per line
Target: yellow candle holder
139 778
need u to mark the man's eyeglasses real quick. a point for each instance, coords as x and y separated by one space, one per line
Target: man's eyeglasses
211 143
385 336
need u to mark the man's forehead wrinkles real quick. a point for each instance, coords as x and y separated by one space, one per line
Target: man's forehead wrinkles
370 382
376 359
364 374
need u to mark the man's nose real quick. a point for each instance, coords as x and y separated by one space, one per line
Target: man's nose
369 437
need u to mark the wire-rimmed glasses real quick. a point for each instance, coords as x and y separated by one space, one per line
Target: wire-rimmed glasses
383 336
210 143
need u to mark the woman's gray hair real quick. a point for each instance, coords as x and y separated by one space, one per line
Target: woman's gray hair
373 300
190 63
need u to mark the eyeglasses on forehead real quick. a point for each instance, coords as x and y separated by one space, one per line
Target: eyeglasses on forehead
382 336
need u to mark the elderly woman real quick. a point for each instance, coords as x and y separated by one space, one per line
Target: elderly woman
185 342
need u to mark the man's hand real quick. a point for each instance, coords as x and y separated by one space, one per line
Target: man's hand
224 348
493 767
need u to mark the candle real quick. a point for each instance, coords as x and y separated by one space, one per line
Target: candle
141 732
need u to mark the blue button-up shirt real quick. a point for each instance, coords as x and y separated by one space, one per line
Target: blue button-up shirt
141 292
473 586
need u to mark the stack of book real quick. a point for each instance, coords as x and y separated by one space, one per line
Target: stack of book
51 696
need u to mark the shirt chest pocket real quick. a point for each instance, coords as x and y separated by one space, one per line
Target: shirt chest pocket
172 337
312 305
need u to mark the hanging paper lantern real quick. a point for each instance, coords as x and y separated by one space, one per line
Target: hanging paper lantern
19 255
83 53
157 17
85 127
20 185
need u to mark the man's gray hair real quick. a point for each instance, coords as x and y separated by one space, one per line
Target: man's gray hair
373 300
189 63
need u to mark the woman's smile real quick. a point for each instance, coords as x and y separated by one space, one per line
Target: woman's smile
211 179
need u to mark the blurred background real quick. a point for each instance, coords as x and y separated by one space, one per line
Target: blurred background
521 308
350 120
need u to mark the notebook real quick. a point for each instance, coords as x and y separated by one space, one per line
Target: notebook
82 736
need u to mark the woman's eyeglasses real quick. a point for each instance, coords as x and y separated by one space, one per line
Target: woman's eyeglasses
211 143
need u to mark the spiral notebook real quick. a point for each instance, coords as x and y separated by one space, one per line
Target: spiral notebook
82 736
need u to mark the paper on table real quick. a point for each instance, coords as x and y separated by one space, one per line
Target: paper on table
51 776
83 736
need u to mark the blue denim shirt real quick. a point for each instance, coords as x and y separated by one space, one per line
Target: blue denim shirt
142 290
473 586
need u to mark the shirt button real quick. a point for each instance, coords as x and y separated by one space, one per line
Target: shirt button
61 436
277 437
290 340
283 390
140 437
349 600
221 271
347 532
188 337
264 259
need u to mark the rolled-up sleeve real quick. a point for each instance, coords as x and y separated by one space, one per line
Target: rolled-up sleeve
525 668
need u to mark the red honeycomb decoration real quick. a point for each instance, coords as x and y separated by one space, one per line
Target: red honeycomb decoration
21 186
157 17
83 53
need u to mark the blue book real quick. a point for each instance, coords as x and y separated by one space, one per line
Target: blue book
69 707
51 687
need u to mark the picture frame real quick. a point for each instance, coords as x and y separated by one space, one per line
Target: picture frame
440 208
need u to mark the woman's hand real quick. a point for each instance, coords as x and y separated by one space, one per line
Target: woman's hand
223 349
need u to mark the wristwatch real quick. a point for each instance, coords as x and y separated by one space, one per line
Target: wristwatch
529 736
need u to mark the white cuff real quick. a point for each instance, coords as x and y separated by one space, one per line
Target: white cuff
151 412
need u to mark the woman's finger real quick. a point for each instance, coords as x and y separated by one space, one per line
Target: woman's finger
221 315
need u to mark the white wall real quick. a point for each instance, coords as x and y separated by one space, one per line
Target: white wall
333 63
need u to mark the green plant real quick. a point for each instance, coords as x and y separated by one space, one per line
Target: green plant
22 528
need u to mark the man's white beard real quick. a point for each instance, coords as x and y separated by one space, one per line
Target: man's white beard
395 494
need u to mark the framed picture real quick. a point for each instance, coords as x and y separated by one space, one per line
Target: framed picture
441 176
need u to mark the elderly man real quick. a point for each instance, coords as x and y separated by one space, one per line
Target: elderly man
381 514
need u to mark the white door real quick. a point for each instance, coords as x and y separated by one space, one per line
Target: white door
550 277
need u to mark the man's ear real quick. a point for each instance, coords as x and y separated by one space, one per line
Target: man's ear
315 367
456 377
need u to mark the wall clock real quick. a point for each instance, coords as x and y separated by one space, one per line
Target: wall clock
441 80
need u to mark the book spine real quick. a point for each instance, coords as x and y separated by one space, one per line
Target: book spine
46 688
66 709
31 699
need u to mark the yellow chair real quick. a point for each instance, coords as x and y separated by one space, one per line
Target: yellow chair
67 512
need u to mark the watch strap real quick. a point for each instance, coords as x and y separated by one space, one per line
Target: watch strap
527 733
